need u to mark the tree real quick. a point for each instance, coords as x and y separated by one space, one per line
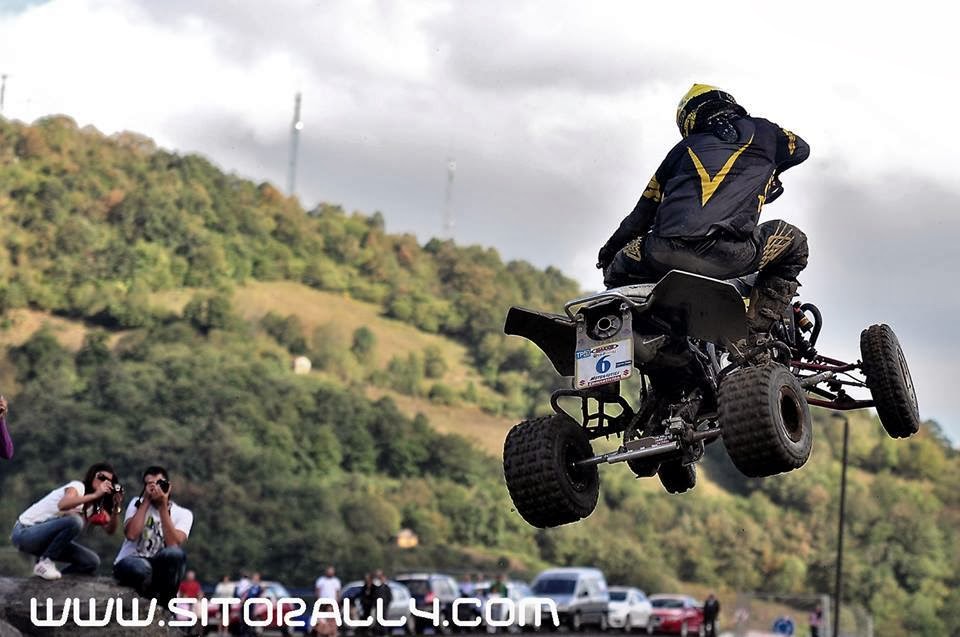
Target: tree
364 344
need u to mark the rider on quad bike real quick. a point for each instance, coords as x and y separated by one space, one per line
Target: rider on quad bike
699 213
677 272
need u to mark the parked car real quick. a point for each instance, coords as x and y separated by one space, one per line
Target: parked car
426 587
399 607
680 614
517 592
272 591
580 594
629 609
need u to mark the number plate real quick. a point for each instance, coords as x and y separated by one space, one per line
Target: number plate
607 361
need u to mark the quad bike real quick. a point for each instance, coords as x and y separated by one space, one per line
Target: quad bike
701 380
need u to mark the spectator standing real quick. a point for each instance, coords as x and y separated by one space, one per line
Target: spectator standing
6 443
242 585
381 594
255 589
49 527
224 588
151 559
368 597
816 621
328 585
711 612
190 587
499 587
467 586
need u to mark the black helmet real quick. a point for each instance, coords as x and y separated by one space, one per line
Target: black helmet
700 102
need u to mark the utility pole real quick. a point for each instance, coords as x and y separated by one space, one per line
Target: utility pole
3 90
448 223
295 129
838 585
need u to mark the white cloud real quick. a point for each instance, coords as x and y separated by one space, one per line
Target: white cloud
557 113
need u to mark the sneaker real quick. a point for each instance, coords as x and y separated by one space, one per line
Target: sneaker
46 569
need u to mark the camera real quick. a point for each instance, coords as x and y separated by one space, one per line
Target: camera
106 502
164 485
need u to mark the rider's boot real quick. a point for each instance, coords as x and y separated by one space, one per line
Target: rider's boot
769 300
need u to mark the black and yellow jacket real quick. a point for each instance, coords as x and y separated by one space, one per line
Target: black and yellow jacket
707 184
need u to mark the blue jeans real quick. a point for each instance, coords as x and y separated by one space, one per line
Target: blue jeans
158 576
54 539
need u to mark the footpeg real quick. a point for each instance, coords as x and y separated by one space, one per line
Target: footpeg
646 447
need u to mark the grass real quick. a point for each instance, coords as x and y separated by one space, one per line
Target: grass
314 308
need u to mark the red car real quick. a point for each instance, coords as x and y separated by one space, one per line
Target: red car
273 591
676 614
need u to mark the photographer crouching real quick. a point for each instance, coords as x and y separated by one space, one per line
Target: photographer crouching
49 528
151 559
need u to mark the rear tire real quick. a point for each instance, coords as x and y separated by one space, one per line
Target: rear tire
765 420
889 380
677 478
537 465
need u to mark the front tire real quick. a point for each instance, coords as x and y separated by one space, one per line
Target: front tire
765 420
889 381
545 487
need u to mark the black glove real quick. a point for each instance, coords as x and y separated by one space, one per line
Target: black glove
775 189
605 257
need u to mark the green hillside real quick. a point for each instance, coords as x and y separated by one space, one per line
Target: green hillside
151 310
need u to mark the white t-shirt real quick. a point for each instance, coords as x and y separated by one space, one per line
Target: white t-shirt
224 589
46 508
151 540
327 587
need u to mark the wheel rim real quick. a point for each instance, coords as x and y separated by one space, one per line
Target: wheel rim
578 477
791 414
907 379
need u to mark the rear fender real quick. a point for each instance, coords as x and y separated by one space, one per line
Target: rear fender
700 307
554 334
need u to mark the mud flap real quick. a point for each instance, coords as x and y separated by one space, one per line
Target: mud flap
554 334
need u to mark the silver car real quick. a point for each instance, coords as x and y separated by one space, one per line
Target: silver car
629 609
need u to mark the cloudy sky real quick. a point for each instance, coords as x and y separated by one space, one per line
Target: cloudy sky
556 113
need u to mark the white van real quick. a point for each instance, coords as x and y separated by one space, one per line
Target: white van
580 594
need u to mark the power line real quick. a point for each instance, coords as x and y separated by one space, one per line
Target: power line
3 90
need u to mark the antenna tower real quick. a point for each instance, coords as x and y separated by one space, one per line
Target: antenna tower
448 223
295 129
